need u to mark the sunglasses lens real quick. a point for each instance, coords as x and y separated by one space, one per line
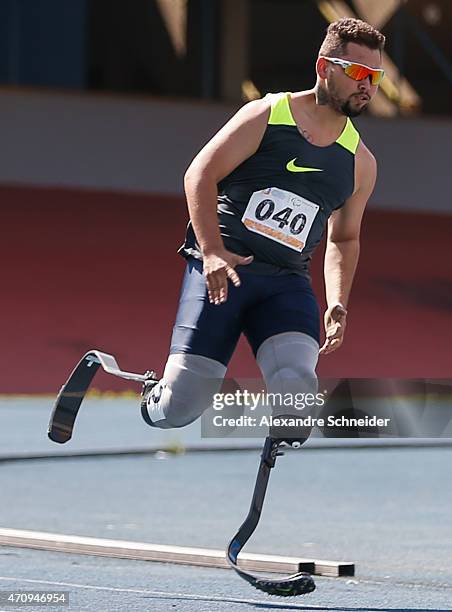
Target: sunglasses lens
358 73
376 76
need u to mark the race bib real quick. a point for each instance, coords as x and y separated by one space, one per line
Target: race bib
280 215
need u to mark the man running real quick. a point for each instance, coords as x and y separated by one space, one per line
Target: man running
260 195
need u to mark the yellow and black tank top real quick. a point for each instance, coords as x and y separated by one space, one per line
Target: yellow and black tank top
285 163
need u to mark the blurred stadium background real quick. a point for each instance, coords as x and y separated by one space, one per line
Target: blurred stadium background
103 103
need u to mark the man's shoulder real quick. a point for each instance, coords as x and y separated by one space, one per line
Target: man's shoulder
364 156
365 168
255 110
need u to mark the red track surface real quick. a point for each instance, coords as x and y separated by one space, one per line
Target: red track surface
87 270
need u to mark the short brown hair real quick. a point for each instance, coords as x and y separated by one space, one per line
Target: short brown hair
347 30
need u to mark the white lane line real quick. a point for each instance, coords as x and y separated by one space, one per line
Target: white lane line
354 581
187 596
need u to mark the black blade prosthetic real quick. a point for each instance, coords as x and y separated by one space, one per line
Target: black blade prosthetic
290 586
71 395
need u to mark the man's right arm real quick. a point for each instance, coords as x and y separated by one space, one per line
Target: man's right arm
234 143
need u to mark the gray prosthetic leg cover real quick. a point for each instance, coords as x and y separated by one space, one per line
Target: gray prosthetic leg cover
185 391
287 362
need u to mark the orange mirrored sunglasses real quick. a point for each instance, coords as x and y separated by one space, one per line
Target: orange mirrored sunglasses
356 71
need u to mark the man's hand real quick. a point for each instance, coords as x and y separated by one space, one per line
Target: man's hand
218 268
335 323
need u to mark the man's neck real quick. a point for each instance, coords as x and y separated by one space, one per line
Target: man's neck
311 104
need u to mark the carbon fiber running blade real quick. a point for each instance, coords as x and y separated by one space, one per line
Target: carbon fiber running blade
70 397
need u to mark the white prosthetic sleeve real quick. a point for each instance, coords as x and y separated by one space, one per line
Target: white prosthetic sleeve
185 391
287 362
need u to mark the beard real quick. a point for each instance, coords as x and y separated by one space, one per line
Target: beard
331 98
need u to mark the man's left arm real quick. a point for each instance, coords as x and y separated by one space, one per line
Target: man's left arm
342 250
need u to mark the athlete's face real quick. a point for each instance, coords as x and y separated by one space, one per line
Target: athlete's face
338 90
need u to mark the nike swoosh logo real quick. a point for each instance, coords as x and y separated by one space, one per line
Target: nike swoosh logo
291 167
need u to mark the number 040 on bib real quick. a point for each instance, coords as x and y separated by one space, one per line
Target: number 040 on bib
281 216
